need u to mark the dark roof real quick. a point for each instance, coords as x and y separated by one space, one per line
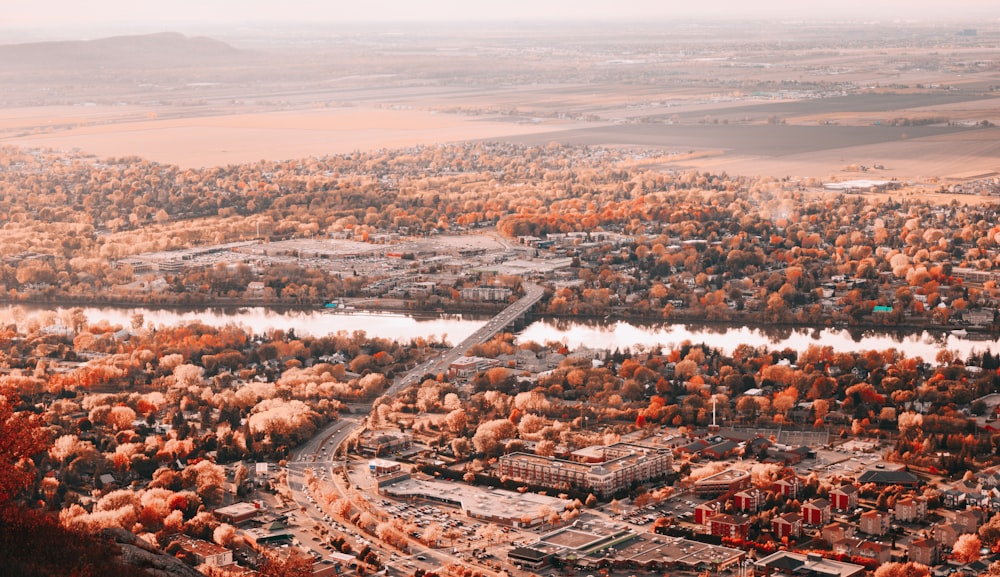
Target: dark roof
527 553
882 477
786 563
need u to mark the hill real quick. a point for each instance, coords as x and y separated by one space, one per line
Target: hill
150 51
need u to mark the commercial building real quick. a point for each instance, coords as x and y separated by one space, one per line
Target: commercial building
729 481
203 552
238 512
792 564
623 464
493 505
594 545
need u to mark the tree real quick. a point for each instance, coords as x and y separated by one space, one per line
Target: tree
21 437
966 548
282 565
908 569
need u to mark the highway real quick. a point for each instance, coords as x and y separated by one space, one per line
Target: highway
319 451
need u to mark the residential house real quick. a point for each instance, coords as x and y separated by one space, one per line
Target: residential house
789 486
879 552
787 525
953 499
926 551
969 520
732 526
749 500
875 522
817 512
844 497
911 509
837 531
947 533
705 510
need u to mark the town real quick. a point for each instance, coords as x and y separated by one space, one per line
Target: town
795 179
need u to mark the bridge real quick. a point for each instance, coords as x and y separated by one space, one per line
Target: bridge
532 294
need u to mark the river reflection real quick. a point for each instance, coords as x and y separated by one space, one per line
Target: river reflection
453 328
608 335
622 335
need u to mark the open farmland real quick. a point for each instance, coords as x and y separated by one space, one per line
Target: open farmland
917 101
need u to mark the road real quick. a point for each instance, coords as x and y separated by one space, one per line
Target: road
319 451
532 294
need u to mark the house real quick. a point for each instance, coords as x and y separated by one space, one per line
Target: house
953 499
817 512
789 486
844 498
911 509
947 533
924 551
837 531
732 526
787 525
968 521
875 522
749 500
705 510
879 552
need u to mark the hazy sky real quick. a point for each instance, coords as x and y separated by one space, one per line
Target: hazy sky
164 14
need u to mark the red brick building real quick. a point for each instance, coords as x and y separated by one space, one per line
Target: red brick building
817 512
706 510
787 525
844 498
723 525
924 551
750 500
789 486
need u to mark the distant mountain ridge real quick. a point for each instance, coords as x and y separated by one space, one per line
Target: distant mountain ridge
161 50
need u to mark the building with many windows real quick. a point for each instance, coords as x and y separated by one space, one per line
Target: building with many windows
622 465
728 481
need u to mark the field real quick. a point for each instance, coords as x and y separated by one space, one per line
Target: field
920 104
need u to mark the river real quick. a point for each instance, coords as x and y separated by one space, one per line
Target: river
454 328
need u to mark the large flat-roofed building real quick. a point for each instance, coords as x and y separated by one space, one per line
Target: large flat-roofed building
493 505
729 481
238 512
623 464
788 563
591 545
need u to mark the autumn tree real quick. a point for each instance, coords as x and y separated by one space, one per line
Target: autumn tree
966 548
21 437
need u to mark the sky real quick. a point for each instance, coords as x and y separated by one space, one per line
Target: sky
168 14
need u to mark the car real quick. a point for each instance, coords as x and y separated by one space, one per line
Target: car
421 558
